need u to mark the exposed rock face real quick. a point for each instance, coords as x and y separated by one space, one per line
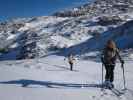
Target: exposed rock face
28 45
109 20
99 7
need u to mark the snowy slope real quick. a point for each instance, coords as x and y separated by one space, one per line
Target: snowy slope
50 78
42 36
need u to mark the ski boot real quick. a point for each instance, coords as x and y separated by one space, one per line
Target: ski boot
108 84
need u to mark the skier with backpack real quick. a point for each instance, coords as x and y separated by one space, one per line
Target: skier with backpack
108 58
71 60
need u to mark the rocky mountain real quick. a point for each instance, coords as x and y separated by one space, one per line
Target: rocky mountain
68 31
98 8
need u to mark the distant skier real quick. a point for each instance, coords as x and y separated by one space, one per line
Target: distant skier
108 58
71 60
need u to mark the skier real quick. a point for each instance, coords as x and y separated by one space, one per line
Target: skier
108 58
71 60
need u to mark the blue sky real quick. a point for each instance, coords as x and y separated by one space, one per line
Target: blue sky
27 8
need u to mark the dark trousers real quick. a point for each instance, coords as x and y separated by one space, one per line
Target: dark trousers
109 72
71 66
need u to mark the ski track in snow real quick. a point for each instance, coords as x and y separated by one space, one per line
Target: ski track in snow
50 78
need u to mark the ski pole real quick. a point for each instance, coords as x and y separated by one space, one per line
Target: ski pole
124 76
102 73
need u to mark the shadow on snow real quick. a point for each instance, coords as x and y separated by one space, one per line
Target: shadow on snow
49 84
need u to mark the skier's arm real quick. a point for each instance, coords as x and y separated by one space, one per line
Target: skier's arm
119 57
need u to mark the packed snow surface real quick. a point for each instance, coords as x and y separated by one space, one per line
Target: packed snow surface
50 79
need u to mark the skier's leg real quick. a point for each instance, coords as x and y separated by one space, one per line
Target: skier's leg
71 66
107 73
112 74
107 76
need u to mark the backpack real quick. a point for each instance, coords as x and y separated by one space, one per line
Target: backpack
109 56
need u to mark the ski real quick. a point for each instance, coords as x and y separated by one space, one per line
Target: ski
116 91
113 90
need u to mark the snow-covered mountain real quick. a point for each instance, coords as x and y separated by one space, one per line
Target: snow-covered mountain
99 7
41 36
